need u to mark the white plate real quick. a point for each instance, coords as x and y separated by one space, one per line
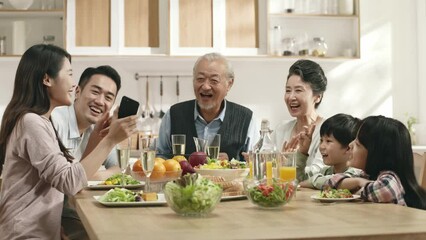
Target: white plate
95 185
227 174
160 201
316 197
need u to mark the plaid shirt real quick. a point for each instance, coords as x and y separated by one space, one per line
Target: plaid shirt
387 188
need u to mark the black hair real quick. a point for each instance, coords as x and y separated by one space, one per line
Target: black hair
102 70
388 143
30 95
311 73
342 126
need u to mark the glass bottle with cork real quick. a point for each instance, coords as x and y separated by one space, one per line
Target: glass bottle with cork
264 154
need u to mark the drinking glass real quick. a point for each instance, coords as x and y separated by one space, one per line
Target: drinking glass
287 166
178 144
200 144
148 147
123 154
213 146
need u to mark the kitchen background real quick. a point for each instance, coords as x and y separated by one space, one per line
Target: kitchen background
388 78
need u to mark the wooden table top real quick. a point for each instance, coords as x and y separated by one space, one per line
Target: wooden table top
302 218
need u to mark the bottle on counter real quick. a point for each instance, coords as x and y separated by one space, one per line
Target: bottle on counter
264 154
319 47
276 45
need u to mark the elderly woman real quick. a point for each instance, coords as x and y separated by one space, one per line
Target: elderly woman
304 89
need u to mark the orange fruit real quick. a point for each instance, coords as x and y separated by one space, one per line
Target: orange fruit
179 158
158 159
158 171
137 167
172 167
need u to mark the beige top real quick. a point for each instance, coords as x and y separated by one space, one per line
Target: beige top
35 177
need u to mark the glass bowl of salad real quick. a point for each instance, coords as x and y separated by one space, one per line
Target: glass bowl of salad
270 193
192 195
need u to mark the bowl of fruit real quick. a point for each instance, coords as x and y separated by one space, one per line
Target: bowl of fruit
269 193
163 171
192 195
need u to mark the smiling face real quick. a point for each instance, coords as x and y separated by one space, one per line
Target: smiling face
333 152
359 155
299 97
61 89
211 84
95 99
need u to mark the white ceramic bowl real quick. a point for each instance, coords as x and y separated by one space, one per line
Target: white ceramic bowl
227 174
21 4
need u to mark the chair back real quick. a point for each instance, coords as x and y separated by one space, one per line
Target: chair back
420 168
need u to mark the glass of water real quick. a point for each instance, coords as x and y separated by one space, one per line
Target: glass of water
178 144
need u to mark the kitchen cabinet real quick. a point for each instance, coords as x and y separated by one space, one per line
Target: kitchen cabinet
339 30
116 27
24 28
232 27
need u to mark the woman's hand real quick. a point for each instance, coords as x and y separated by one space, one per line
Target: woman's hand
305 138
291 145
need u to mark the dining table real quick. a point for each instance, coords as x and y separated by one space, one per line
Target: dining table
302 218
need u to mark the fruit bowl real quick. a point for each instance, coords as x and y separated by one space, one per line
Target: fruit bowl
227 174
157 177
269 194
192 195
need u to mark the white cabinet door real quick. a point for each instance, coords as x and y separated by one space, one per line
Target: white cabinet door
116 45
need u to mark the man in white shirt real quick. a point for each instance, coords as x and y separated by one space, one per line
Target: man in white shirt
95 95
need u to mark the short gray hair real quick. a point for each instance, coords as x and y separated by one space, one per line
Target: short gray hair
211 57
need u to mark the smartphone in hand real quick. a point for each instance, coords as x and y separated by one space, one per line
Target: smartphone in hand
128 107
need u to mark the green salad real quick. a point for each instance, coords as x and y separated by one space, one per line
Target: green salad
120 195
271 194
192 193
335 193
116 180
223 164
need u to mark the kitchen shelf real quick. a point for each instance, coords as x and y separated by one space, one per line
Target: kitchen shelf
31 13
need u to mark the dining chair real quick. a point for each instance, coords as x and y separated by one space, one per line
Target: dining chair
420 168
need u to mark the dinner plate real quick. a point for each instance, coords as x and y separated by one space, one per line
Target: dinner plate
354 197
160 201
96 185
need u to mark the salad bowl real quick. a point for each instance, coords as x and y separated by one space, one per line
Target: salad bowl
192 195
270 193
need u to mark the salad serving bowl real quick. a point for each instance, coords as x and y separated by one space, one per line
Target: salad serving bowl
192 195
270 193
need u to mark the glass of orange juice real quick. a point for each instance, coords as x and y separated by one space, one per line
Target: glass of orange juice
286 166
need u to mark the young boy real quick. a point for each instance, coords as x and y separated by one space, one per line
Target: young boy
336 133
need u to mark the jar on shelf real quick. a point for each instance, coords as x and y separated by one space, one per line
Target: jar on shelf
2 45
276 45
289 47
48 39
319 47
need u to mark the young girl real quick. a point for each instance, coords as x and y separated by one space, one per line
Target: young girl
383 150
37 169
